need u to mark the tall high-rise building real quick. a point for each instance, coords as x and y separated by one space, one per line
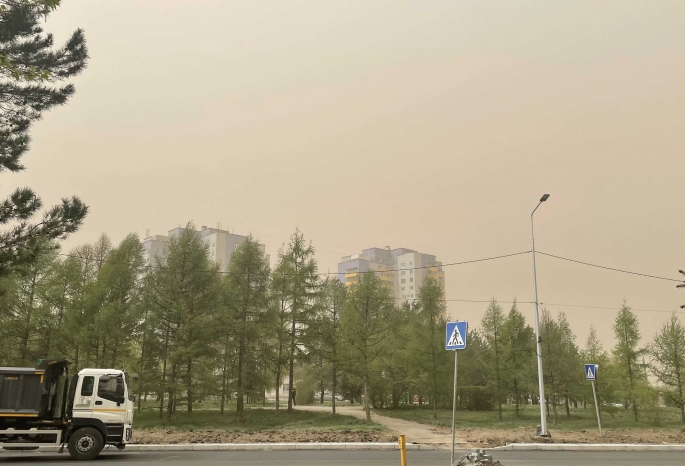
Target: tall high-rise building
402 270
221 244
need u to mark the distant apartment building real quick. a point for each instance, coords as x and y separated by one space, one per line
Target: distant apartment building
402 270
221 245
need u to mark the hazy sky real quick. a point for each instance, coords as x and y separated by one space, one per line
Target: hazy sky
431 125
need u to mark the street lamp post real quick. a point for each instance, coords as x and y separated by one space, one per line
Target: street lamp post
538 341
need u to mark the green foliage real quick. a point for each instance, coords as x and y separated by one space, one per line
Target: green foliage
667 353
254 420
529 417
299 287
493 324
626 352
29 70
245 311
561 362
199 338
476 399
327 341
518 340
429 367
368 319
185 297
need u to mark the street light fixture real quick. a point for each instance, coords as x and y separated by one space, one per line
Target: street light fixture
538 341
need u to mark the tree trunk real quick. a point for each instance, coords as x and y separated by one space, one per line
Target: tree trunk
516 393
291 362
278 388
223 377
240 407
632 388
27 321
366 395
172 393
568 412
334 383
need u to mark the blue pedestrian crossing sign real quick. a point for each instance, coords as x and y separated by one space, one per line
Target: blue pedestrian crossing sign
591 371
455 337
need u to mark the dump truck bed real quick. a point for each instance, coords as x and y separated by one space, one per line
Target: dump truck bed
21 391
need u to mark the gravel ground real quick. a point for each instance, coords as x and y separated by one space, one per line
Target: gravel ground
160 436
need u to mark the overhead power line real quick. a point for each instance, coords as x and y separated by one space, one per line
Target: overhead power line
607 268
323 274
605 307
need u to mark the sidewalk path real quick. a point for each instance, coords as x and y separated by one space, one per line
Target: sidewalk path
415 432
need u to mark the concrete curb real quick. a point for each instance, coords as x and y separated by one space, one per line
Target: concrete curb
591 447
255 447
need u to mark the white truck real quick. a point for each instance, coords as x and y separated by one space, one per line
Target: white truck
40 407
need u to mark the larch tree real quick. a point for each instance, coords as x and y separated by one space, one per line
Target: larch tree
302 286
492 329
186 298
368 319
667 353
330 346
518 349
280 310
117 293
594 353
246 288
561 360
626 351
430 363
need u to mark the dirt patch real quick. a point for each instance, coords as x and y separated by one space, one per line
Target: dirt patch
486 438
160 436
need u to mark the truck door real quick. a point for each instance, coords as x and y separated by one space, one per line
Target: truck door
83 397
109 400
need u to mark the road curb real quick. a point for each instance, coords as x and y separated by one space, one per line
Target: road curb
257 447
591 447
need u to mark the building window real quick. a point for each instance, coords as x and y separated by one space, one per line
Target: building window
411 280
402 273
402 264
411 263
411 271
403 288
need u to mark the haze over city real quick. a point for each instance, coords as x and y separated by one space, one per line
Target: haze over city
434 126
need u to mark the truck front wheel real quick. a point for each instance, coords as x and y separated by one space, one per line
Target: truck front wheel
86 444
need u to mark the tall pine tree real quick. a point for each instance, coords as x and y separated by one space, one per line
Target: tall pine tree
30 69
626 352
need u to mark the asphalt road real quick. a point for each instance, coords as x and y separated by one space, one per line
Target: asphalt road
348 458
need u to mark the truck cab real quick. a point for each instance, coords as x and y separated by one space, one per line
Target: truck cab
38 407
102 398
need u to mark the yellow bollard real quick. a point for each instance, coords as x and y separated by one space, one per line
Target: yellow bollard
403 451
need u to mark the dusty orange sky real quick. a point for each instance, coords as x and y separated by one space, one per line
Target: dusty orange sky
433 125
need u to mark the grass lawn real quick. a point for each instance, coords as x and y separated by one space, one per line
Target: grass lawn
256 420
580 419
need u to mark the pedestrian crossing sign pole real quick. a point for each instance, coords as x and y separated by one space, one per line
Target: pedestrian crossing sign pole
455 340
591 375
